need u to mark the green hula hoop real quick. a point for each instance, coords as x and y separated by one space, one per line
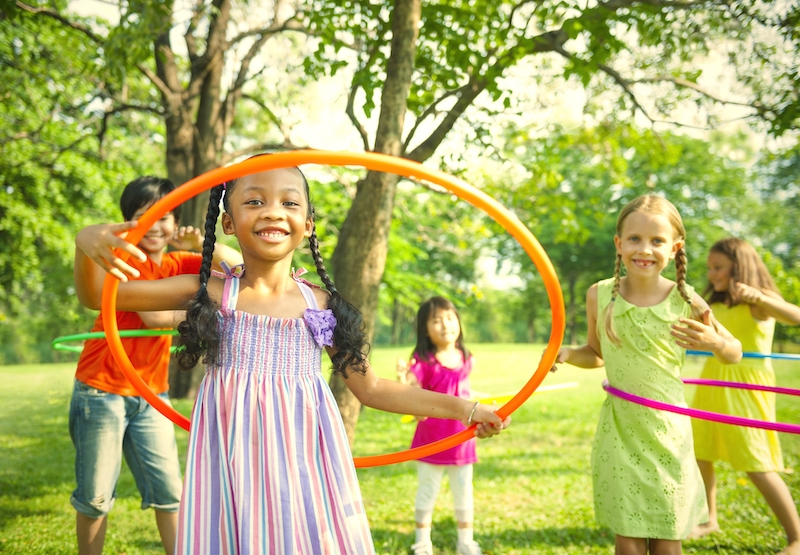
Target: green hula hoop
58 342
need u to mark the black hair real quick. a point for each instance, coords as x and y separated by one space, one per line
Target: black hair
199 332
425 348
144 191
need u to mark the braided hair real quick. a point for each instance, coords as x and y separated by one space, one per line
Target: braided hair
652 204
199 333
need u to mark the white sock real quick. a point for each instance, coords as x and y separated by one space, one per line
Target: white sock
464 535
424 534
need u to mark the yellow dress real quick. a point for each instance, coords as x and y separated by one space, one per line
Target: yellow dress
746 449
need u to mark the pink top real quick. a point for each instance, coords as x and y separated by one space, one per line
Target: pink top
454 381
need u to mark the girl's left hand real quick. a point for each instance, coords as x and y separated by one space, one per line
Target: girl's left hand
696 335
187 238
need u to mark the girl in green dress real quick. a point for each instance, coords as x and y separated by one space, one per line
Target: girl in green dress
744 297
647 487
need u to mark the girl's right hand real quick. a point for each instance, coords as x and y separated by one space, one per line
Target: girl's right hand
488 422
747 293
561 358
402 370
99 241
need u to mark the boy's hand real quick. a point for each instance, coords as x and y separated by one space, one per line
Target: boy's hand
187 238
99 241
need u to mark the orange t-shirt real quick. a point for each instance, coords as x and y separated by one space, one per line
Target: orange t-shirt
149 355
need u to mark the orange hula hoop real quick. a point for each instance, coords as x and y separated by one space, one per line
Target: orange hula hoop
370 161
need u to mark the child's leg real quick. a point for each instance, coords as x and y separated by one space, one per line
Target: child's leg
624 545
91 534
665 547
710 482
429 477
461 485
779 498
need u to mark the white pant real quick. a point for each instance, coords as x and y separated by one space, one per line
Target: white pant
430 481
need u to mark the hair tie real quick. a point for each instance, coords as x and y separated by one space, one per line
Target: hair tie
224 185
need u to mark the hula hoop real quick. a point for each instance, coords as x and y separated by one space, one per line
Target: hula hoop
777 356
58 342
704 414
370 161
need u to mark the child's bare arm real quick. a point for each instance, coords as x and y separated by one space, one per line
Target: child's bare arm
769 304
392 396
589 355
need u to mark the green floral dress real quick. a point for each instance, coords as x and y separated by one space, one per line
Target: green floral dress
646 480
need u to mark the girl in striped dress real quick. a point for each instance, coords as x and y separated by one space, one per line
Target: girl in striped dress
269 468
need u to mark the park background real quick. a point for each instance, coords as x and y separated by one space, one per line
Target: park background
561 110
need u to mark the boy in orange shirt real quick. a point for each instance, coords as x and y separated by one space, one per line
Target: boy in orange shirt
107 416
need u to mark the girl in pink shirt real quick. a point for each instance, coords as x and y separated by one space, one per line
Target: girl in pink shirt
440 362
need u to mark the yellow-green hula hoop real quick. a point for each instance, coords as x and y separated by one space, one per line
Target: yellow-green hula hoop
59 342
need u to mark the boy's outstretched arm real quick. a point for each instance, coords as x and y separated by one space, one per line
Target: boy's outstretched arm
94 256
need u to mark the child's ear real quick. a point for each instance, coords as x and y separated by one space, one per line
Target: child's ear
309 227
617 242
675 248
227 224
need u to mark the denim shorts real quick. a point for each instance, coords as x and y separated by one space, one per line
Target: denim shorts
103 426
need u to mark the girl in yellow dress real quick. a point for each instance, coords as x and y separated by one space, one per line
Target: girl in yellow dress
746 301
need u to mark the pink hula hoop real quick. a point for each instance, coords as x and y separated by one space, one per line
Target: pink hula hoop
708 415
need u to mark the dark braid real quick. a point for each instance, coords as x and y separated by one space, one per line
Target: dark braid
349 338
199 334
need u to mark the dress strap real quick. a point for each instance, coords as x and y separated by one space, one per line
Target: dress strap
308 294
230 292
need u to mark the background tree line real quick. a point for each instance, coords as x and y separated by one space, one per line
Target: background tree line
180 88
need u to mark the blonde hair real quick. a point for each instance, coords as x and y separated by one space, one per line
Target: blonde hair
651 204
747 268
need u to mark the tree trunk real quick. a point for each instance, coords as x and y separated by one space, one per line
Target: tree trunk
360 257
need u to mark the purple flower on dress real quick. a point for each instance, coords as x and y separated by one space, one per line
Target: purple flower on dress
321 323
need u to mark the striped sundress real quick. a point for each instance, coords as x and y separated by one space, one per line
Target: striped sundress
269 468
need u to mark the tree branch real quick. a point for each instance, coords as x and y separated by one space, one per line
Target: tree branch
62 19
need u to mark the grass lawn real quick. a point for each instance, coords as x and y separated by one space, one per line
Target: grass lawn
532 485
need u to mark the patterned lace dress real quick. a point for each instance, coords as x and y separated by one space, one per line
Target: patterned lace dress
269 468
646 480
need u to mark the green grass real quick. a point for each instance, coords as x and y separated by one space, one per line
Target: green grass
532 484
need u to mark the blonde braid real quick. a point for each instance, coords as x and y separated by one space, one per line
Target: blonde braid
680 278
608 314
680 274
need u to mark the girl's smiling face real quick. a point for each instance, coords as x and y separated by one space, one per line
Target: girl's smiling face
269 213
646 243
720 269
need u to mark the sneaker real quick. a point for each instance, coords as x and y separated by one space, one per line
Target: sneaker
424 548
468 548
